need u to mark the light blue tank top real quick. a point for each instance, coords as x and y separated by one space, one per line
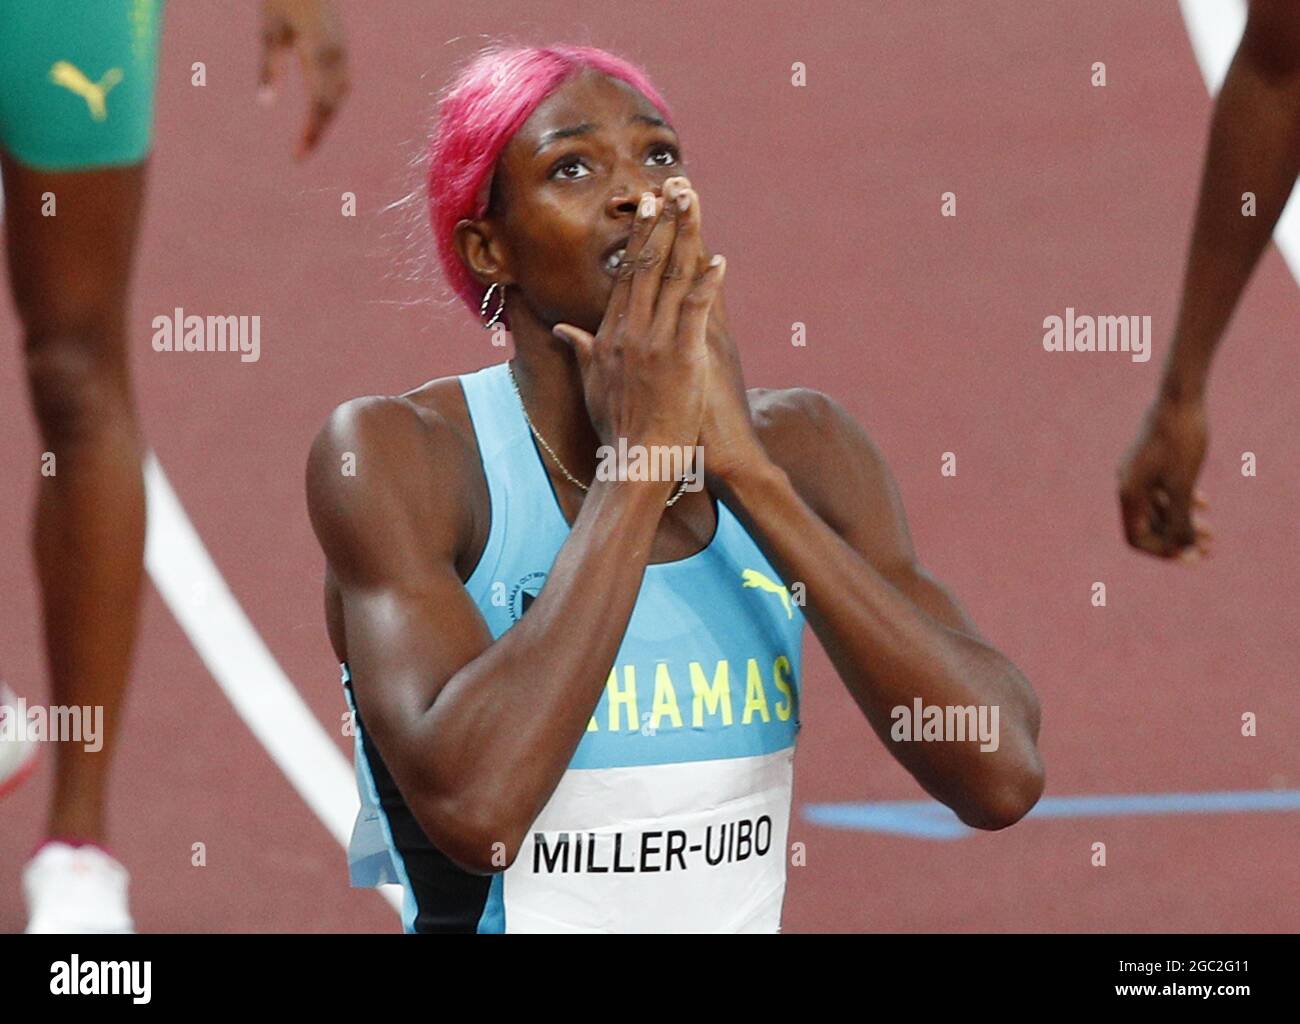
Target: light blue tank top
673 814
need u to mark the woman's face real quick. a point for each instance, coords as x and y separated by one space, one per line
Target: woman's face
570 181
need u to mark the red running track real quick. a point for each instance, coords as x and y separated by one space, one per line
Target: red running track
826 201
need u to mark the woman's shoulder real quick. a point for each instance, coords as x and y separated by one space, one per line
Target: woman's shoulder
428 423
384 459
788 419
826 453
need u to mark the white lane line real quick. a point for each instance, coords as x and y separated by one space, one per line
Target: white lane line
1215 28
243 667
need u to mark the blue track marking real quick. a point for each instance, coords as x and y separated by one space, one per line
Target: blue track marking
929 819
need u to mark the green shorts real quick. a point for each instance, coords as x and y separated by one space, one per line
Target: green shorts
77 81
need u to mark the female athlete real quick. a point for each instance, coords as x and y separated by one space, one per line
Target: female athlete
576 693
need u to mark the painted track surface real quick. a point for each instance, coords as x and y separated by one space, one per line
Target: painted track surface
826 201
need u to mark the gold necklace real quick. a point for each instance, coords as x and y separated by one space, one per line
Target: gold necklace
551 452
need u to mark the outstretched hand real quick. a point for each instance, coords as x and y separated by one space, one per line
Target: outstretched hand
313 30
1160 504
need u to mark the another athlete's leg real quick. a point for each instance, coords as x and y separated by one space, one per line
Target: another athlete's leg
69 274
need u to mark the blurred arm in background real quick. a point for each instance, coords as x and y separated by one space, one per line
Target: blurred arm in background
1254 147
313 30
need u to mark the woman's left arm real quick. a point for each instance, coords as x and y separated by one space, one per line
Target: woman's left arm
819 500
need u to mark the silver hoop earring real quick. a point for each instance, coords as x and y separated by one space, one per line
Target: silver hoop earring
487 297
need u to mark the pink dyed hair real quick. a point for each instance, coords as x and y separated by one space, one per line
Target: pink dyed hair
480 111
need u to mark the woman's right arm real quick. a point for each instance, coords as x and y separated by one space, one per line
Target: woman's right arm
476 733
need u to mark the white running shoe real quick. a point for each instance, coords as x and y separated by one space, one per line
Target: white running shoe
17 751
75 890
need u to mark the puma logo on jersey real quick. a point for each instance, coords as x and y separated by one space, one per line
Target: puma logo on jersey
754 578
72 78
